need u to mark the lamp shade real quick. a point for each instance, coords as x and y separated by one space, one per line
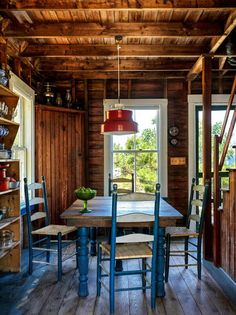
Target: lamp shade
119 122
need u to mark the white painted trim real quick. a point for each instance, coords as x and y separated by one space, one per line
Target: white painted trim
17 85
193 101
163 158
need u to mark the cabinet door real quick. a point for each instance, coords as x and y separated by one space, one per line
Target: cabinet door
59 155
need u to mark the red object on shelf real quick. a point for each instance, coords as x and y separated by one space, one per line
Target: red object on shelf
3 173
119 122
4 184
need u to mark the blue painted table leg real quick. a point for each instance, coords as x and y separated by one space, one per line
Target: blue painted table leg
83 261
93 241
161 263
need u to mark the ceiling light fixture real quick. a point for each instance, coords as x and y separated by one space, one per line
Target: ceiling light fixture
119 120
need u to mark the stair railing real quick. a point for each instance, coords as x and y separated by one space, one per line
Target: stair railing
218 164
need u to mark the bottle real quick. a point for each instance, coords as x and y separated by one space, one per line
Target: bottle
58 99
68 99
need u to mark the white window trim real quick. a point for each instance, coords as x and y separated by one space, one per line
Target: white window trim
17 85
142 104
193 101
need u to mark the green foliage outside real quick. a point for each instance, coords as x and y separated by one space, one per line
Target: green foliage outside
146 162
229 160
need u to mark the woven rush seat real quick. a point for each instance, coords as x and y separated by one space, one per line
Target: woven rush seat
180 231
55 229
129 251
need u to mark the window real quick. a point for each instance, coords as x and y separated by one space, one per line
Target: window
143 154
218 103
23 146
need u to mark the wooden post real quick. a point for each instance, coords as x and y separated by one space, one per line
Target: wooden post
206 150
17 67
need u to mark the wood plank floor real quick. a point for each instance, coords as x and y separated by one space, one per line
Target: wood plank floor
41 294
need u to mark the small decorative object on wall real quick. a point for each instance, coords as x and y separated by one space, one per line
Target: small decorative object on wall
173 141
180 160
173 131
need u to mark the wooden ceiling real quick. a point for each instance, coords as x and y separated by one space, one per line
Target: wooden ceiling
161 39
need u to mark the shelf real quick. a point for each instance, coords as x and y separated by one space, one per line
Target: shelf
8 160
4 252
6 222
9 191
4 121
4 91
60 109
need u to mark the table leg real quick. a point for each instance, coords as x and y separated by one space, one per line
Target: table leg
93 241
83 261
161 263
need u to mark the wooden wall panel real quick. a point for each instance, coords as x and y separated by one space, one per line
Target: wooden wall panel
178 116
95 139
59 154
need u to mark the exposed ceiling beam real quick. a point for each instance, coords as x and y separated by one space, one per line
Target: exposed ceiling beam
111 65
115 5
195 70
147 75
111 50
222 62
84 50
130 64
69 30
229 27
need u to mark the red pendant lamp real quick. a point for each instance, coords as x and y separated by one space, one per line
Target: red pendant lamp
119 120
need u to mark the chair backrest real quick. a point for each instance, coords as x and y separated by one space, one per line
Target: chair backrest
121 181
31 201
135 217
197 205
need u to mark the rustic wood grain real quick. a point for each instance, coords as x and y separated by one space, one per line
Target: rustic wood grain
59 155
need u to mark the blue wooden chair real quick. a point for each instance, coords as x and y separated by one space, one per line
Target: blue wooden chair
44 245
191 234
131 246
121 182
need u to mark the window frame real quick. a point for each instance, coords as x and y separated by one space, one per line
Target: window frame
26 94
195 100
154 104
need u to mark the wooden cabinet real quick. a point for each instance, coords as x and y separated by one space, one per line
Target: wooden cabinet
60 154
10 199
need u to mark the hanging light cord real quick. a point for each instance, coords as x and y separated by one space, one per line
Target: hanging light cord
118 54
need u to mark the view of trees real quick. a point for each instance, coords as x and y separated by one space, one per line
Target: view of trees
146 162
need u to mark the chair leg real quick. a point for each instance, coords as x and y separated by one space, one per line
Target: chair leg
99 270
30 257
154 282
77 248
186 252
144 275
59 258
112 287
48 247
199 258
167 263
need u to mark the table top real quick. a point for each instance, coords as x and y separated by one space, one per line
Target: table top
102 210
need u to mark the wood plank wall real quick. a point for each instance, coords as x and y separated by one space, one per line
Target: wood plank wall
228 228
59 154
176 92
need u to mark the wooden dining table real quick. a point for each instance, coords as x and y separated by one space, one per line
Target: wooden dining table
100 216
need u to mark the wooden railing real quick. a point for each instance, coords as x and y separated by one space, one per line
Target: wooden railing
218 164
